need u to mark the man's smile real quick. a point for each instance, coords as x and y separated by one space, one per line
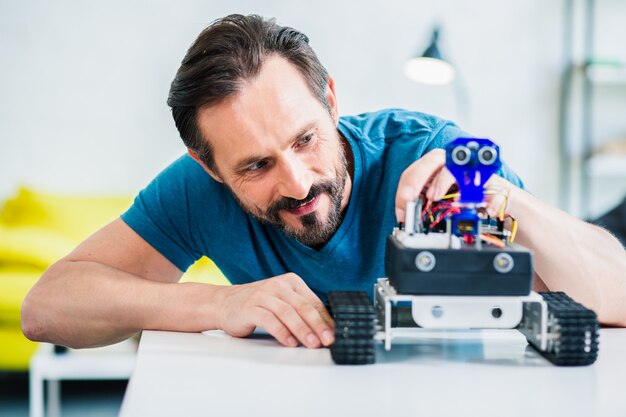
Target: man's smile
306 207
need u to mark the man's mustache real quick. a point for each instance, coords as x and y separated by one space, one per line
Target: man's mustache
287 203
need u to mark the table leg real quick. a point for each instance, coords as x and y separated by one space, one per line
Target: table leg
54 398
36 400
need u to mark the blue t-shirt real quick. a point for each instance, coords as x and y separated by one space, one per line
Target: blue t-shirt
184 213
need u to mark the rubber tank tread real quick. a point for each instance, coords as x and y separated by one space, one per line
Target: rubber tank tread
355 326
576 328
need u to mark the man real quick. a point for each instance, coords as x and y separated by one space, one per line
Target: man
289 200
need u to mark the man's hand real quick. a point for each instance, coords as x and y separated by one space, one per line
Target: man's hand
282 305
428 176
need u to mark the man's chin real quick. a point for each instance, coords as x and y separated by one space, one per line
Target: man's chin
298 224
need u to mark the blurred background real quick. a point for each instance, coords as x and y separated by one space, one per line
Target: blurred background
83 114
84 85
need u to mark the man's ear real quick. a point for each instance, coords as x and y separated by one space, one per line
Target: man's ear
206 168
331 99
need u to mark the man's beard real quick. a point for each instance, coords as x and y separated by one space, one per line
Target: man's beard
315 231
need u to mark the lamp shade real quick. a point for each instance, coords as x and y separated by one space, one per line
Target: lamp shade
430 67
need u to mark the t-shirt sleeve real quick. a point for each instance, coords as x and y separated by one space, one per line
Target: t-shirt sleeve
445 132
162 213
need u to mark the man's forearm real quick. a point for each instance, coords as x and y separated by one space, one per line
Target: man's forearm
88 304
570 255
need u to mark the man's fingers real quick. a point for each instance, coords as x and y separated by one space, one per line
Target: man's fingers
314 318
411 184
416 177
321 309
294 322
300 287
440 185
267 320
404 194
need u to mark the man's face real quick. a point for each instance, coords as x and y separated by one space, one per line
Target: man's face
277 149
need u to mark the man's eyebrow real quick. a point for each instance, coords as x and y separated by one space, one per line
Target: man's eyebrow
302 132
241 165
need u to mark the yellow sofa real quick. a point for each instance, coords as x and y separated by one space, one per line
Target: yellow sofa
38 228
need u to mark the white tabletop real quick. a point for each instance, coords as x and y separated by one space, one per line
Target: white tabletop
477 373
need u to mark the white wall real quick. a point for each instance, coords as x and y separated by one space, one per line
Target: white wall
84 84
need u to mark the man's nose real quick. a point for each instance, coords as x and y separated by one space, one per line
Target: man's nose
294 179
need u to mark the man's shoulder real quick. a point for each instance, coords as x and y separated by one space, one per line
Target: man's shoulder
389 124
183 165
184 172
182 183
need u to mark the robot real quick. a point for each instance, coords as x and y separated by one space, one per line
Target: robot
452 265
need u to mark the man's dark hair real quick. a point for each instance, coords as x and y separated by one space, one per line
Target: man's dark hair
227 53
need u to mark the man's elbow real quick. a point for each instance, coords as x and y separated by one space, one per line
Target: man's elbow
38 308
36 311
30 322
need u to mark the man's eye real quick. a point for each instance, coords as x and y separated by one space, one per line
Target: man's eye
305 139
257 166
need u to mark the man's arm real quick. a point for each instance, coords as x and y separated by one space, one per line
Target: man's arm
570 255
115 284
111 286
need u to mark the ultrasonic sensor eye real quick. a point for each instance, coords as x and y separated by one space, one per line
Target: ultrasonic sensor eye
487 155
461 155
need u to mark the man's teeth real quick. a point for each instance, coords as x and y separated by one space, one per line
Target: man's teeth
306 202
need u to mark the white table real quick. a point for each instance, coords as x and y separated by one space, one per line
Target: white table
478 373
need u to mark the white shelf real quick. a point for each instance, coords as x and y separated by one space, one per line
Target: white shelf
607 74
607 166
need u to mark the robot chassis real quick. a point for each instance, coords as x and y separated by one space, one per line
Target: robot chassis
445 277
